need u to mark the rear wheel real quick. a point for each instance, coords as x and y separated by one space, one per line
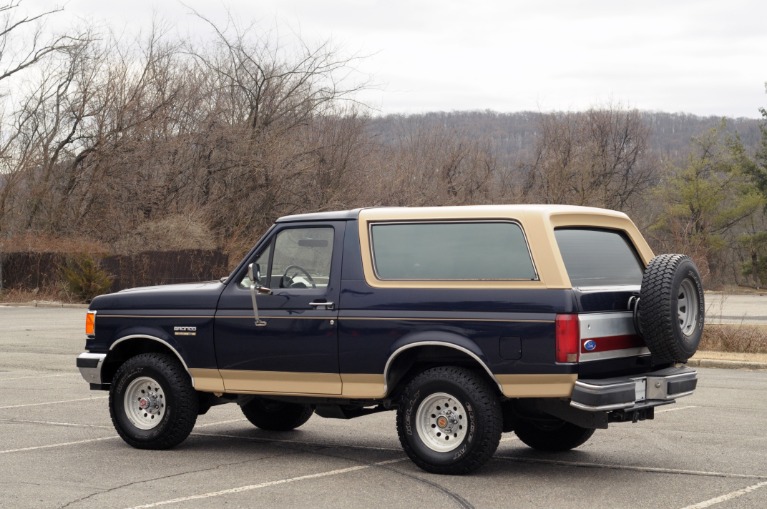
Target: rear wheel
152 402
551 435
276 415
671 307
449 420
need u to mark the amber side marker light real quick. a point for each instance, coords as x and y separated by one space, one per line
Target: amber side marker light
90 323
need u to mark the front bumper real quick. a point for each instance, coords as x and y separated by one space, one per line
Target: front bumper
90 365
646 390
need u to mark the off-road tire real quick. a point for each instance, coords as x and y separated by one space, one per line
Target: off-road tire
551 435
671 308
474 420
276 415
169 385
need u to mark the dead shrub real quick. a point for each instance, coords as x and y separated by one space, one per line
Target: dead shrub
739 338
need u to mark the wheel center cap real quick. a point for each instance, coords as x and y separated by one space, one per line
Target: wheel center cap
143 403
442 421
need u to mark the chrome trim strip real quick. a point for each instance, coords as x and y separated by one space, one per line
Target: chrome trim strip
601 325
185 317
439 319
608 288
614 354
604 408
435 343
153 338
92 375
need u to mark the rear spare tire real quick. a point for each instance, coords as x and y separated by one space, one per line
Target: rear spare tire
671 308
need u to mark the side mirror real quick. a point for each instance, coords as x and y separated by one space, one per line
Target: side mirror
254 274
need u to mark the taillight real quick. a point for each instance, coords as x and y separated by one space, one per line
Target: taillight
90 323
568 336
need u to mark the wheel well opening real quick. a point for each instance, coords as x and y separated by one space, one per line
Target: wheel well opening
413 361
130 348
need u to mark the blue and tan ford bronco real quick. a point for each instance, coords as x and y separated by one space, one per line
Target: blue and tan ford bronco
546 321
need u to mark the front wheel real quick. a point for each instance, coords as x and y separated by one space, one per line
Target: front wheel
152 402
449 420
551 435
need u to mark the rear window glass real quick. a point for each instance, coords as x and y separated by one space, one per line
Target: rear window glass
451 251
598 257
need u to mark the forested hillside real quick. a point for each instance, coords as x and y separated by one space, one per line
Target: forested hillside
111 147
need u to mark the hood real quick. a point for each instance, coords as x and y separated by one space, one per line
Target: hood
180 296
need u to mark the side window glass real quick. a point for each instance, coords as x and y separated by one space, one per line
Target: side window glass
302 258
444 251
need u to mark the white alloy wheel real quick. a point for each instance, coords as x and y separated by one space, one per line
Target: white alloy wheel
144 403
441 422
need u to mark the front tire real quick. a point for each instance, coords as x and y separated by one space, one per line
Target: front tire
551 435
449 420
276 415
152 402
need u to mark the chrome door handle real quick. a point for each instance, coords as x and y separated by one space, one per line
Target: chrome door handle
325 304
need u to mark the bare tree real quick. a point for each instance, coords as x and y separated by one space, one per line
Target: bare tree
594 158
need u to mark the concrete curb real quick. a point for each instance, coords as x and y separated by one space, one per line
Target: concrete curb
44 304
726 364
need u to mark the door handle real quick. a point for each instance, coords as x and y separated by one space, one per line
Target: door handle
321 303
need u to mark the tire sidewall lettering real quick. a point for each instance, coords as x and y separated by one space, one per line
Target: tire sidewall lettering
410 422
410 412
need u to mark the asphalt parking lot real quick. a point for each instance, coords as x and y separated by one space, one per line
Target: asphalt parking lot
58 449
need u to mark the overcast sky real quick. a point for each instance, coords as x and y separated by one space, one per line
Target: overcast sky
694 56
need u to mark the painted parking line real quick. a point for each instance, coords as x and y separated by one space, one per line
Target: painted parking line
55 423
675 409
52 446
52 402
297 442
651 470
727 497
267 484
219 422
27 377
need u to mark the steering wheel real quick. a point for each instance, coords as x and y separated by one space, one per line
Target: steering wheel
286 281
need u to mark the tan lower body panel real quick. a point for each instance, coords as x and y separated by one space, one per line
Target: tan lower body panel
537 386
207 380
357 386
363 386
353 386
282 382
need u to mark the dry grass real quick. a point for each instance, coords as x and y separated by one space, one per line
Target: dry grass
734 338
41 243
16 296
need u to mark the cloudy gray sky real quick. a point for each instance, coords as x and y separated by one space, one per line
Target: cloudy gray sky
695 56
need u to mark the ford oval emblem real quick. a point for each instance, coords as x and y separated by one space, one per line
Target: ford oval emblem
590 345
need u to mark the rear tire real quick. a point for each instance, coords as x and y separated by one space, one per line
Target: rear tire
551 435
276 415
449 420
671 308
